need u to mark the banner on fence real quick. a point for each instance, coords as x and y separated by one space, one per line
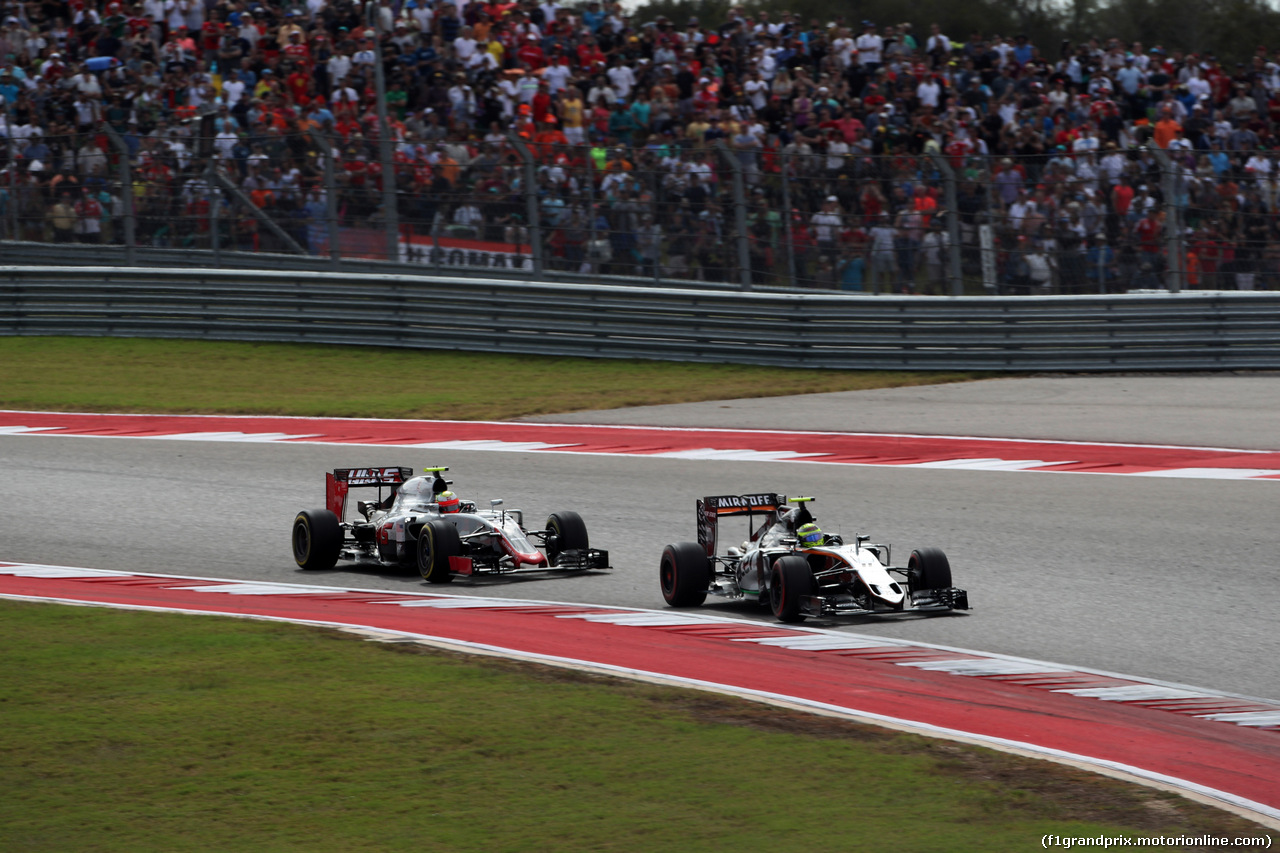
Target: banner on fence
454 252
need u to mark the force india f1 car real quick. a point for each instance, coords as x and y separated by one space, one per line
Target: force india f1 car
420 523
795 579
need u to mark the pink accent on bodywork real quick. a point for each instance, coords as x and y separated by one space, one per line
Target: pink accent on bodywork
537 558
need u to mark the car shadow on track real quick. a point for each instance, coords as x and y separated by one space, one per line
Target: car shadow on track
740 610
458 582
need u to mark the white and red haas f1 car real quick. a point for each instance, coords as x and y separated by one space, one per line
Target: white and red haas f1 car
416 522
788 563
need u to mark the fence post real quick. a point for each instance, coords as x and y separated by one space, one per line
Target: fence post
215 215
1172 224
530 199
390 214
13 174
739 214
330 198
588 255
953 223
126 193
786 218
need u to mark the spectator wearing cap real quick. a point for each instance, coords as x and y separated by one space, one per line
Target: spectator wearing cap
827 224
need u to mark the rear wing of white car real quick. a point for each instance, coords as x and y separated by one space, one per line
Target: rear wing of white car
711 509
342 479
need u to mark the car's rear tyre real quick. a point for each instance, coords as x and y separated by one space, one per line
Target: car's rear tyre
790 580
566 531
317 539
437 542
928 568
684 574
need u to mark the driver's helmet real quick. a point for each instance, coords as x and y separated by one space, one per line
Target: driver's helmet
448 502
810 535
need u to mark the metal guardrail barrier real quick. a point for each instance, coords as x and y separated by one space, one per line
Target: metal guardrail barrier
1159 331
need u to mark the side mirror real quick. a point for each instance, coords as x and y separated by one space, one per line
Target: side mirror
495 503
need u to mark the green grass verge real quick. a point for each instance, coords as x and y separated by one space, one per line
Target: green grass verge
144 375
127 731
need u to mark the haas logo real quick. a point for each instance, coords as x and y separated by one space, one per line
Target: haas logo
372 476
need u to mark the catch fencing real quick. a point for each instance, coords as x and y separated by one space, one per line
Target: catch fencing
815 214
1159 331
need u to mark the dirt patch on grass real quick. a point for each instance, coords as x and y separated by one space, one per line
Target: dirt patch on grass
1036 788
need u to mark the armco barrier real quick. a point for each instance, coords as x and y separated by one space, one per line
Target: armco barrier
1190 331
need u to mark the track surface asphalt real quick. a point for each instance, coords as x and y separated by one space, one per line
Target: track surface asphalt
1173 579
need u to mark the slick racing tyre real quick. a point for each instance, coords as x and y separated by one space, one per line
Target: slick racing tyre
317 539
928 568
684 574
437 542
566 531
790 581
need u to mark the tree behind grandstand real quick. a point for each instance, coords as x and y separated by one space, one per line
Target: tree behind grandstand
1230 29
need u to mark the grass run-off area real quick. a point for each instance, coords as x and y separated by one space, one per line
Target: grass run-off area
167 376
127 731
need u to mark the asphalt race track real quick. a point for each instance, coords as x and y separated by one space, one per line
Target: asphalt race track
1173 579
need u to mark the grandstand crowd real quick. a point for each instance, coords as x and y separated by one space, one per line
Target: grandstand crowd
839 129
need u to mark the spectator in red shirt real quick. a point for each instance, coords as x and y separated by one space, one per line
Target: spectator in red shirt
542 102
297 51
589 54
531 53
1147 232
211 36
1122 197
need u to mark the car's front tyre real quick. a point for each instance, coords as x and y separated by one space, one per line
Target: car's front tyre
789 582
928 568
566 531
437 542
